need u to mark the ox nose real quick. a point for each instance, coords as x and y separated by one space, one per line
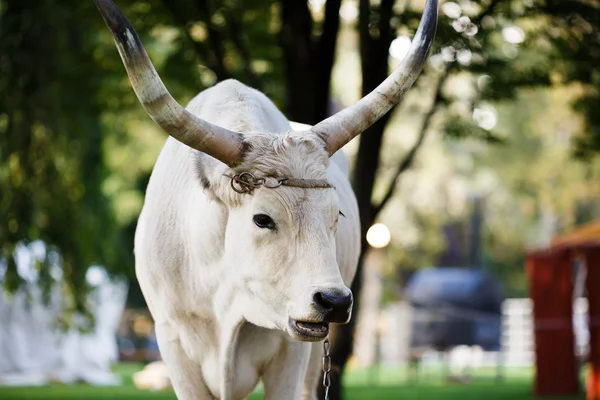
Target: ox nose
336 308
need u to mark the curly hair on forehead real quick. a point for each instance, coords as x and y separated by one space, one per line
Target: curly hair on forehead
299 160
291 155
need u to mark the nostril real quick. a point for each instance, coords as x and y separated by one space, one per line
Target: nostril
329 302
334 307
323 301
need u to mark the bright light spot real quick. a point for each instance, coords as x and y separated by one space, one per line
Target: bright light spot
399 47
485 117
317 5
198 32
464 56
349 11
436 61
95 275
488 22
378 236
54 257
25 261
207 76
38 249
471 30
461 24
165 34
448 53
56 272
218 19
513 34
452 10
261 66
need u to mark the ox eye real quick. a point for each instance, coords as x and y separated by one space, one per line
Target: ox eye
264 221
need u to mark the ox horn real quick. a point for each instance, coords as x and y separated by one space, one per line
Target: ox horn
343 126
220 143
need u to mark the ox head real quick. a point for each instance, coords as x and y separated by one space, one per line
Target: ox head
275 188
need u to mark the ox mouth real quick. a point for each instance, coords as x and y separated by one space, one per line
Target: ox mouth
309 331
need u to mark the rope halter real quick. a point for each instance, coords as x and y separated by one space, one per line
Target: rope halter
245 182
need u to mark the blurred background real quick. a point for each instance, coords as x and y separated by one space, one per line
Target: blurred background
479 194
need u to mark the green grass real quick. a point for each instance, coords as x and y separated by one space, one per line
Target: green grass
375 384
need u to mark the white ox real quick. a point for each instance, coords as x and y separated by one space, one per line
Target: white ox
249 235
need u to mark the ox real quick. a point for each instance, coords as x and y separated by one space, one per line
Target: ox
249 235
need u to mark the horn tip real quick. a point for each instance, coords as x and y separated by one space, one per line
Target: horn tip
120 27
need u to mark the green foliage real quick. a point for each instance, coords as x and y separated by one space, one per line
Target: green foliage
511 75
51 141
76 148
573 29
70 122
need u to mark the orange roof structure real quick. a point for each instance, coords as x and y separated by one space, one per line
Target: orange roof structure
584 234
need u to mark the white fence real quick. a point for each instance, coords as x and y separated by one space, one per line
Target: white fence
517 341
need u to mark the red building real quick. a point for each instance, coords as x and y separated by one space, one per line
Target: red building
551 279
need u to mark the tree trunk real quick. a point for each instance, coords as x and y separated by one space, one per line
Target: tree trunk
374 64
324 59
296 43
308 59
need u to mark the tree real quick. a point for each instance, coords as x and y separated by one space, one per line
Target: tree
51 143
469 49
375 41
576 37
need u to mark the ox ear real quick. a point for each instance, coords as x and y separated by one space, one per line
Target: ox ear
211 175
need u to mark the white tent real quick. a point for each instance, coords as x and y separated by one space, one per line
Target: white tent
33 349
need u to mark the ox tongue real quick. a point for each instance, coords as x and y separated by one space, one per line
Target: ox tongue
312 326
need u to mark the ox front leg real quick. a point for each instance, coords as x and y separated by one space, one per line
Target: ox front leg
314 372
185 374
284 376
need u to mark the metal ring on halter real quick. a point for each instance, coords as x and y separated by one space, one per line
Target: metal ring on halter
278 183
245 182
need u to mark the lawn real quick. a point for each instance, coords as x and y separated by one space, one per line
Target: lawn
380 384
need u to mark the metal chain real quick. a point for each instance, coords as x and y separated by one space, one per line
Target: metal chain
326 362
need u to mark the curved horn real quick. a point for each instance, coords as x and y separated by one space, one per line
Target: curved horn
343 126
222 144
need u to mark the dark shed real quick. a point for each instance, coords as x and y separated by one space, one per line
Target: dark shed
455 306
